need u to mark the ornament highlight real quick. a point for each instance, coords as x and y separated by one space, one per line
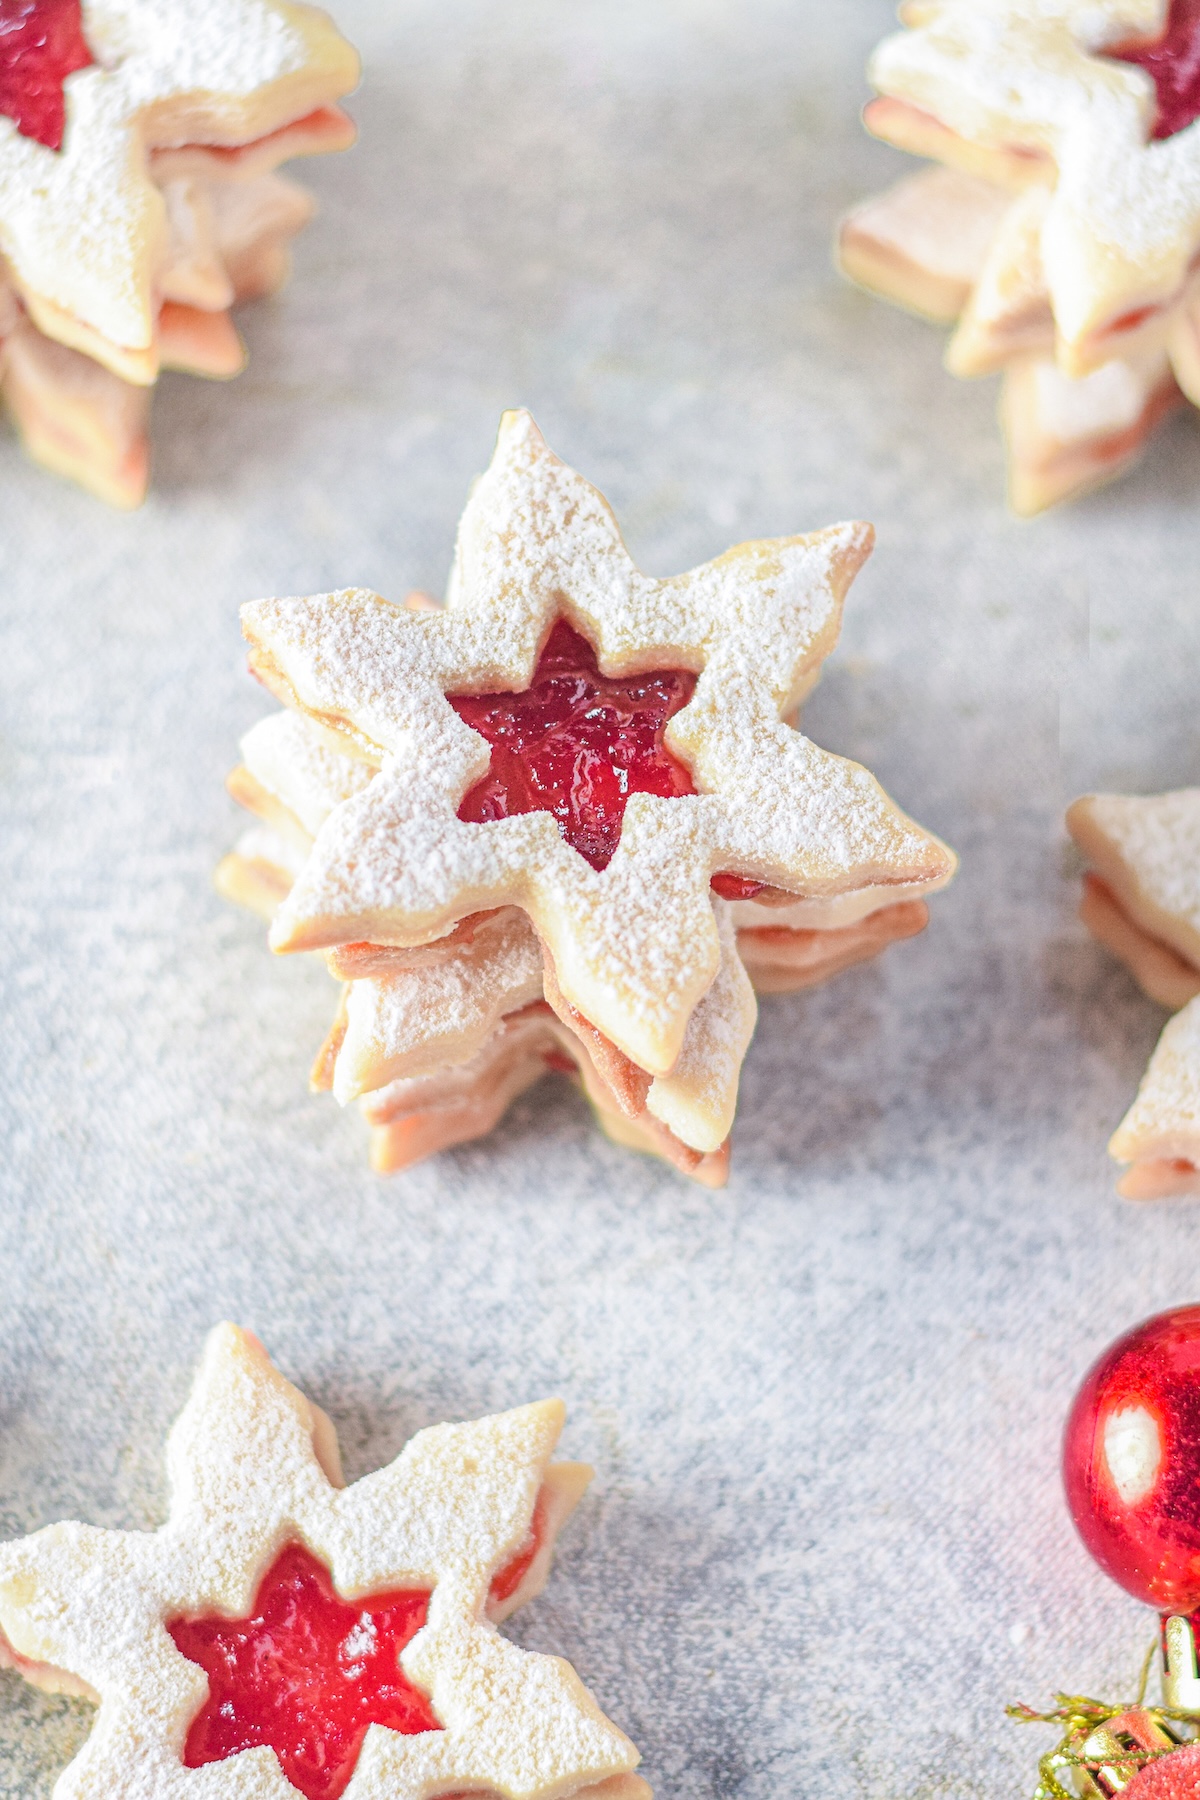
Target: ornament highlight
1131 1473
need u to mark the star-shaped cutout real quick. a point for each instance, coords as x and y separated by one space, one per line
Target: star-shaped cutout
1045 90
307 1675
229 216
450 1537
83 227
634 945
1142 901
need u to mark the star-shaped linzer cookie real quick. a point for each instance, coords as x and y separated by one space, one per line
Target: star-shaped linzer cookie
437 1041
1142 901
1060 234
1063 94
84 227
283 1634
716 789
139 203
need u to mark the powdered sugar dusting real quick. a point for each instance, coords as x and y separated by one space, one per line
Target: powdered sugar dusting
1164 1120
260 844
635 945
294 761
1157 838
436 1015
84 227
698 1099
437 1011
411 1026
1124 220
455 1504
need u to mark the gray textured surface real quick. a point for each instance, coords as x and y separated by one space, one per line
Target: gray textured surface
826 1542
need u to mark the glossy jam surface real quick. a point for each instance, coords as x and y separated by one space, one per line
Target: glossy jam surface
1131 1461
736 887
1173 64
577 743
41 43
305 1675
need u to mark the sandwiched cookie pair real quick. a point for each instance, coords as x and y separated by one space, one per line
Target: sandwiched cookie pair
1141 899
567 821
140 202
1059 227
285 1634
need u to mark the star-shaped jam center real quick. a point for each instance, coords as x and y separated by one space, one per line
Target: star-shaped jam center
577 743
306 1674
1173 64
41 43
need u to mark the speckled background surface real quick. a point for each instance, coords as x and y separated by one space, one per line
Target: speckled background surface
826 1541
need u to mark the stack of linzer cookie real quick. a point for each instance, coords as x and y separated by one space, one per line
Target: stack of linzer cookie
139 202
566 822
1141 899
1060 231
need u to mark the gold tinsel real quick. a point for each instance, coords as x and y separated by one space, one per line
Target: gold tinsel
1080 1716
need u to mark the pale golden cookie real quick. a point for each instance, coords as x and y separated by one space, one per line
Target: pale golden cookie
781 961
1123 221
443 1027
84 228
413 1119
1159 1137
138 202
924 242
478 950
454 1534
1062 230
1142 901
634 945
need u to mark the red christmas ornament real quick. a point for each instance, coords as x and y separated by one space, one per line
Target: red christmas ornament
1131 1469
1131 1461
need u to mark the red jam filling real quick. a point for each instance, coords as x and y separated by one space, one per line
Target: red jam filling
576 744
736 887
41 43
306 1674
507 1580
1173 64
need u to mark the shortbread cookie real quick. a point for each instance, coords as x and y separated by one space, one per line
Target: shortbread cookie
138 200
1142 901
572 785
76 417
617 887
1068 132
924 242
411 1119
284 1633
780 960
1159 1137
408 1016
1066 436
